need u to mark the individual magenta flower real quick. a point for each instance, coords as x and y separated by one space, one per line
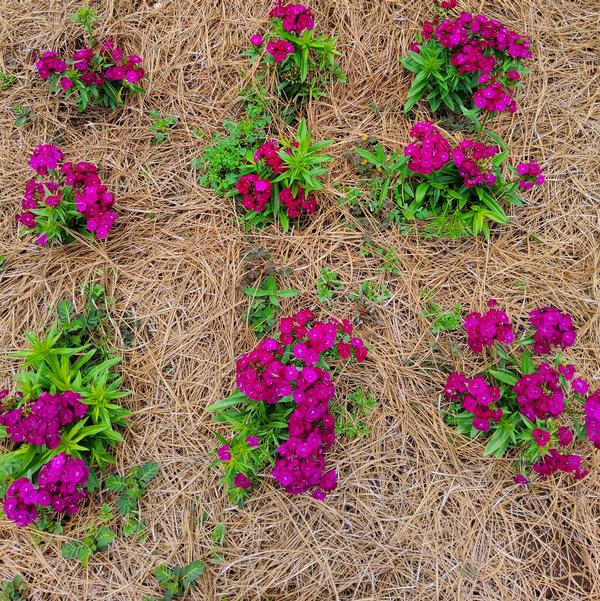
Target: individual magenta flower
280 50
565 436
568 371
224 453
552 329
484 330
242 481
520 479
580 386
540 436
448 4
256 40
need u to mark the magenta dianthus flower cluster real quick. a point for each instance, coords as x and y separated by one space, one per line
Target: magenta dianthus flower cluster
553 328
430 152
531 175
523 404
286 369
40 422
75 188
295 18
480 47
93 73
477 396
59 487
468 157
484 330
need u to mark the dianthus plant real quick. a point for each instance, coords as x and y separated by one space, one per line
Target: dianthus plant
466 61
62 423
279 415
304 61
526 401
64 198
102 75
457 188
279 179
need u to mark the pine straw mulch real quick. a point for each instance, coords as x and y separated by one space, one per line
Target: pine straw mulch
419 514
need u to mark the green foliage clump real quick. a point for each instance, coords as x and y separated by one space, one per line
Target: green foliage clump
328 283
177 581
443 321
7 80
221 163
131 489
13 590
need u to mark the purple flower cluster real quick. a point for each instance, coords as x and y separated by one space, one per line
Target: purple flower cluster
483 330
40 422
269 153
297 204
280 49
256 192
554 462
552 329
477 396
539 394
480 46
530 175
92 199
535 401
295 18
470 157
430 151
44 158
287 369
494 97
60 487
90 67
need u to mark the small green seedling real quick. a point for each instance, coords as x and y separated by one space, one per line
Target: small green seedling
265 304
176 581
23 114
97 540
372 291
7 80
86 17
161 126
328 284
443 321
131 489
